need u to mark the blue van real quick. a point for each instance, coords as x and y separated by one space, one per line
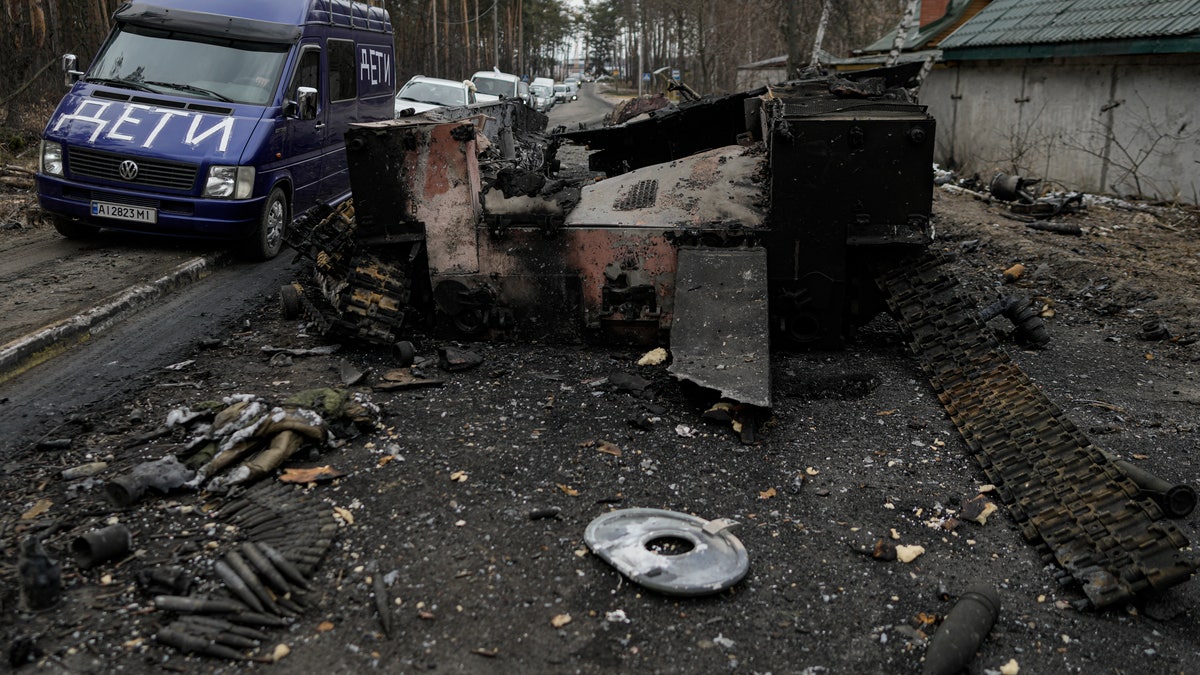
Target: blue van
215 118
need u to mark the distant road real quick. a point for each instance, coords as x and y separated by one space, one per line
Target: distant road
588 111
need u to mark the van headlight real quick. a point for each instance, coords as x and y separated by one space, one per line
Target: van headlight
51 161
229 182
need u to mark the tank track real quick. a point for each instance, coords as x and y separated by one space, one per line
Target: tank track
354 294
1067 497
368 302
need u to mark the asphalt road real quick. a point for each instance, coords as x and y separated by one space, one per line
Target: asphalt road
127 355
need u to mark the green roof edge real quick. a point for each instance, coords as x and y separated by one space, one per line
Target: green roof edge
1188 44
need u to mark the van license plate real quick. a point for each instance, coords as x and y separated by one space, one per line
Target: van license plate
137 214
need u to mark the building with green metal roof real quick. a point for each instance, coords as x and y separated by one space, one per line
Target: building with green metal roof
1097 95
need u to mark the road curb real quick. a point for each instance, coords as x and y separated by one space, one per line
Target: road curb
19 355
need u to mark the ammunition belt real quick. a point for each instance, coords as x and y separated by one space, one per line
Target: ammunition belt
1065 494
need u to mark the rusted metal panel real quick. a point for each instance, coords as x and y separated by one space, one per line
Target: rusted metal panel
719 335
716 186
425 179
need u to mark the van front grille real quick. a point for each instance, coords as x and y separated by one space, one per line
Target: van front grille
153 173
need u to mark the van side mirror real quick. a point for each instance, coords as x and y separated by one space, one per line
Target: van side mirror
71 75
305 105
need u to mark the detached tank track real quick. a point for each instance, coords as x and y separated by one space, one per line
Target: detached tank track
1065 494
367 302
355 294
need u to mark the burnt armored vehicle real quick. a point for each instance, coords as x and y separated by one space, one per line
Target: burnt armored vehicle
727 226
747 204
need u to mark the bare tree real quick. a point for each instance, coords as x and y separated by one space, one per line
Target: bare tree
1149 134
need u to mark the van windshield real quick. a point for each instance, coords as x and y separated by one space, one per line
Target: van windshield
171 62
494 87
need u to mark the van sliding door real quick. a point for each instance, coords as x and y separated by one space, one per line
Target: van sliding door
343 109
307 138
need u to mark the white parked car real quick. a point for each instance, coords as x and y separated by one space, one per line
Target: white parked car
563 93
430 93
542 91
491 85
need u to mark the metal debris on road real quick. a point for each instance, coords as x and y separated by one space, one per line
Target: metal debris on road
162 475
963 630
99 546
693 557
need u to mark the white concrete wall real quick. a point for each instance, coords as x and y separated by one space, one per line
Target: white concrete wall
1055 119
753 78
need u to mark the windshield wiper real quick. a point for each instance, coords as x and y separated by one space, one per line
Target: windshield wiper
193 88
118 82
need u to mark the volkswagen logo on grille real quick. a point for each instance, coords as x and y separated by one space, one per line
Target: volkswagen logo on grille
128 169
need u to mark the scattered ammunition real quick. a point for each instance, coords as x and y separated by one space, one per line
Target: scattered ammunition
248 632
247 575
295 521
262 523
227 626
192 605
267 518
196 645
269 574
230 510
382 604
289 544
257 619
305 558
214 634
209 621
541 514
962 631
305 551
237 586
301 598
250 514
282 564
1176 501
288 607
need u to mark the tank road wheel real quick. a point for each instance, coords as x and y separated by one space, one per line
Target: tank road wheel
289 301
73 229
267 239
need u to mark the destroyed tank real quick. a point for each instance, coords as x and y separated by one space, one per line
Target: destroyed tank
790 198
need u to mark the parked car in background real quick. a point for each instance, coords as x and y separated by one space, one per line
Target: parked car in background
542 91
491 85
563 93
421 94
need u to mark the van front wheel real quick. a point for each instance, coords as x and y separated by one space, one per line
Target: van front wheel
73 229
267 240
